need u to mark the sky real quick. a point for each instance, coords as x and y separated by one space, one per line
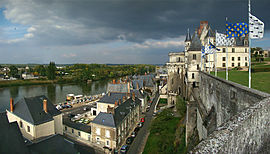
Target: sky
112 31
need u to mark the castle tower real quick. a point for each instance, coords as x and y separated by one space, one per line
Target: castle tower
187 41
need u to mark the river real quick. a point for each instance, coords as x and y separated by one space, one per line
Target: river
55 92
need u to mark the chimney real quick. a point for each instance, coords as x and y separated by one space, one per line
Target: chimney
124 98
109 94
119 101
128 95
11 105
145 73
45 106
115 104
118 82
133 96
113 81
128 84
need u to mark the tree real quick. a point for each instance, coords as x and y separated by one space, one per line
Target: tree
13 71
51 71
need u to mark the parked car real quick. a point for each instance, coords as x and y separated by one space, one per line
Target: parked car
124 149
133 134
140 124
68 106
147 109
142 119
85 108
71 115
136 129
129 140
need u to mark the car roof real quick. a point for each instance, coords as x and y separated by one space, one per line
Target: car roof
124 146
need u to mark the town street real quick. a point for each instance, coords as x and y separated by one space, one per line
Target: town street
139 141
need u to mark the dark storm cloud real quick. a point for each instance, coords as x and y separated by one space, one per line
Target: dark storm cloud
81 22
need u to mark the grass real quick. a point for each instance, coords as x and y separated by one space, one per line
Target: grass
259 80
167 133
163 101
162 134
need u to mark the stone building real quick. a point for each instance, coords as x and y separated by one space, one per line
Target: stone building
183 67
110 129
36 117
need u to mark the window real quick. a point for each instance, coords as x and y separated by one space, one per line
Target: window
21 124
98 140
198 67
223 58
232 58
79 133
28 128
107 133
239 58
107 143
89 137
65 128
98 131
238 64
246 64
245 58
192 75
178 59
245 50
72 131
233 50
223 50
194 56
232 64
223 65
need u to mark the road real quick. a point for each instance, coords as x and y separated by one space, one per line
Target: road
77 109
138 143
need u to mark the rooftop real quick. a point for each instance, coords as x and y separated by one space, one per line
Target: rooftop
11 137
31 110
120 112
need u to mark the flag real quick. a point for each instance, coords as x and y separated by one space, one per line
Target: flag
209 49
222 40
211 46
236 30
256 27
203 52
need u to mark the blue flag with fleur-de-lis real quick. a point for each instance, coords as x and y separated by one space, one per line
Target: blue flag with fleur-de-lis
236 29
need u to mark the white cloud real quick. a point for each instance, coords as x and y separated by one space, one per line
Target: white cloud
165 43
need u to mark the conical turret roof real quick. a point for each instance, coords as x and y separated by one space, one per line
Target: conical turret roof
188 37
195 43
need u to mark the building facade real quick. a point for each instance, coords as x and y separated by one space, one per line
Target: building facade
36 117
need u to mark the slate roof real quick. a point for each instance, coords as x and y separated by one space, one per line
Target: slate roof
110 98
31 110
105 119
113 120
78 126
124 109
138 93
54 144
12 141
239 41
188 37
147 80
134 84
121 88
210 33
195 43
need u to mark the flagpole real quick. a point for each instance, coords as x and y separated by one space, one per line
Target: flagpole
208 56
249 44
216 59
227 74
